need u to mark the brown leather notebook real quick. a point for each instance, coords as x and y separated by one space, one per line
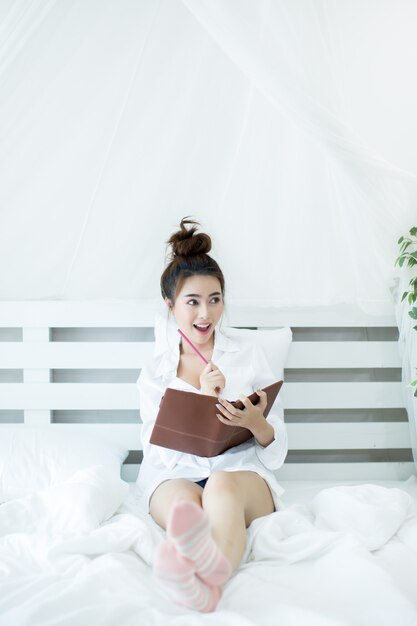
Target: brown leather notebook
187 422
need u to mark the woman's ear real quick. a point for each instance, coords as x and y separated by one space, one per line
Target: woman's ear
168 303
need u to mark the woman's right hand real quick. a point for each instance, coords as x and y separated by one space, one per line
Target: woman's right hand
212 380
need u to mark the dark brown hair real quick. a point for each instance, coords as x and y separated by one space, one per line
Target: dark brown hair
189 257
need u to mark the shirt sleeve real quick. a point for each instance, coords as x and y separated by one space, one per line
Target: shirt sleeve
149 400
148 406
273 455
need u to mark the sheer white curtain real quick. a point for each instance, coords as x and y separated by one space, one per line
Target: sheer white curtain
269 121
337 202
408 350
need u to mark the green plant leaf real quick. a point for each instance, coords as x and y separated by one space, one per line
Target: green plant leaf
413 313
411 261
400 240
401 260
413 231
405 294
405 245
414 254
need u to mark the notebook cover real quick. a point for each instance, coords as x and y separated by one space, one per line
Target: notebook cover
187 422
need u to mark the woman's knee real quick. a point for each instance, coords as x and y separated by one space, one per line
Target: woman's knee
222 482
245 488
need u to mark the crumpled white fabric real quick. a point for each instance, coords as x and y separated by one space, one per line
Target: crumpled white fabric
371 512
299 572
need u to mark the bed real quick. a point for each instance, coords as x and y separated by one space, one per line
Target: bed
75 549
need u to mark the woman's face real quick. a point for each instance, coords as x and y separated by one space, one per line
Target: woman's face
199 302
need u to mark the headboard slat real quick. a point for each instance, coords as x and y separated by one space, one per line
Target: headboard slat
123 396
377 435
134 354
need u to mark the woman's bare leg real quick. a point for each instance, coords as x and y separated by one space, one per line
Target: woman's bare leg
232 501
169 492
177 574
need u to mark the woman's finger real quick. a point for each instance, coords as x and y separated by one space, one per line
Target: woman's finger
263 398
224 419
222 406
245 401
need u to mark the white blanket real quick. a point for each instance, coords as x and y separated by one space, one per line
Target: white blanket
80 554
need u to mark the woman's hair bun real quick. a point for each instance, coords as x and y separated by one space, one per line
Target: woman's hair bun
188 257
186 243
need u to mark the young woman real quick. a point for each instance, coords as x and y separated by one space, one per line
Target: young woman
205 504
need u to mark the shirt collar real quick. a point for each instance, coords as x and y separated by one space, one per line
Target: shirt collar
167 344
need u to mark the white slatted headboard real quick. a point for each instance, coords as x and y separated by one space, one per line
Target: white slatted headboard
73 365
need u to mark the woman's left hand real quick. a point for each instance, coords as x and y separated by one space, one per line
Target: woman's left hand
251 416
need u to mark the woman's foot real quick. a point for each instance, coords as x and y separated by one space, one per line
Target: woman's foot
188 527
177 577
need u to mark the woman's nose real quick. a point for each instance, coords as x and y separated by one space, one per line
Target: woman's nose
203 311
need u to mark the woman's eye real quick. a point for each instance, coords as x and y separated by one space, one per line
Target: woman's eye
213 300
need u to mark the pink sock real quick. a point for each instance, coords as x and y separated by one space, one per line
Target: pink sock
177 576
188 527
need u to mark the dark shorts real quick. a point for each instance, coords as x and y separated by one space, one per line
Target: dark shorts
201 482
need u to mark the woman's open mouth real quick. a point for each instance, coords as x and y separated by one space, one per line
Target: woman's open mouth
203 329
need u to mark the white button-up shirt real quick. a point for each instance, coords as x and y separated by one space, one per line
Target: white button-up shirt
245 367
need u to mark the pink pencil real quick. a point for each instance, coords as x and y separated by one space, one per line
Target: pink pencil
193 346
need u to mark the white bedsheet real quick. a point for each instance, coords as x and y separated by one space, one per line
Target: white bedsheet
79 554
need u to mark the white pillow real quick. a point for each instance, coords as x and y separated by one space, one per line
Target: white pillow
275 343
78 505
38 457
